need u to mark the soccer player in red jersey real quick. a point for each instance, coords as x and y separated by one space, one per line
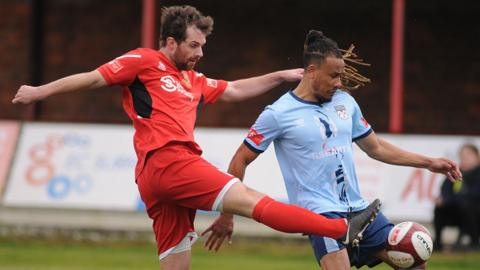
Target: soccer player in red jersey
161 95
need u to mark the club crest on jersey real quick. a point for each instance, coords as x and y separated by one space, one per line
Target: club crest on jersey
186 80
256 137
341 111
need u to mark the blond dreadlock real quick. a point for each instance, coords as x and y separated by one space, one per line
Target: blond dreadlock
351 79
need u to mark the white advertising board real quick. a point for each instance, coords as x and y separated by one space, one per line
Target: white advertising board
73 166
92 166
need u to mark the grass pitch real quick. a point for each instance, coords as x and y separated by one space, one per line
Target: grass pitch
28 254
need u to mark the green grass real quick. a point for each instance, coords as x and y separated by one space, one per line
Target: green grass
16 254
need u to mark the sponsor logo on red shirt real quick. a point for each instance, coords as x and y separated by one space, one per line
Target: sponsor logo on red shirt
256 137
168 83
115 66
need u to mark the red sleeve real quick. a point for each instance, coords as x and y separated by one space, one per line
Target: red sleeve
211 89
122 70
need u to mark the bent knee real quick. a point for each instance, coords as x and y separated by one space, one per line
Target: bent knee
241 200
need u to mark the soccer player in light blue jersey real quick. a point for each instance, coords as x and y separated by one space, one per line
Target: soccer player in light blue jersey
312 128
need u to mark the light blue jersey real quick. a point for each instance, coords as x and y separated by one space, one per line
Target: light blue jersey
313 145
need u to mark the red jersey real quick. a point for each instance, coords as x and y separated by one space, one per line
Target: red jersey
161 100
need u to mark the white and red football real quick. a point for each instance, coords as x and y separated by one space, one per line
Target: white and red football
409 244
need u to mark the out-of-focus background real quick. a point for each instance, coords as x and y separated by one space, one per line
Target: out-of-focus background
66 163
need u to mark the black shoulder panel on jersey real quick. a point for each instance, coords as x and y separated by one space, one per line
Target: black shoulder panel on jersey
199 107
142 101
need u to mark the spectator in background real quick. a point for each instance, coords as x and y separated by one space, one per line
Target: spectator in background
457 202
447 211
470 192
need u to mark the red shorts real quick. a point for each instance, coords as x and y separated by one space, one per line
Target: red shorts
173 184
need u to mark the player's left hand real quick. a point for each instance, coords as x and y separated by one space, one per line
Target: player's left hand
292 75
447 167
221 229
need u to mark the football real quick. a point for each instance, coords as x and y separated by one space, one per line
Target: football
409 244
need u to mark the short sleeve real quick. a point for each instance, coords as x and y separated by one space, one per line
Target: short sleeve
263 132
360 127
211 89
122 70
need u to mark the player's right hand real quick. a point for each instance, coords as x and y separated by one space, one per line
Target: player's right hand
27 94
293 75
221 229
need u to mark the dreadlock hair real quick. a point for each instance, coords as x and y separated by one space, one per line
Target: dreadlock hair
317 47
176 19
351 78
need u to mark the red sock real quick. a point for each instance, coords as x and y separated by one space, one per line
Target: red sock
293 219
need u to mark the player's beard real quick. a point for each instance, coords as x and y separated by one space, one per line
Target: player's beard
323 99
190 64
187 64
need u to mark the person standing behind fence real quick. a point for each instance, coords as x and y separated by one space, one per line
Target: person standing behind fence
447 211
470 192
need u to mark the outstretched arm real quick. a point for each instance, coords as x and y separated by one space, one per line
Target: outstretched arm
246 88
384 151
242 158
82 81
222 227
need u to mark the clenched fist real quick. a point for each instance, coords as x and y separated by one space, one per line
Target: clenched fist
27 94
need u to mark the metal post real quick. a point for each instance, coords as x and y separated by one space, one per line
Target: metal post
148 24
37 60
396 69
